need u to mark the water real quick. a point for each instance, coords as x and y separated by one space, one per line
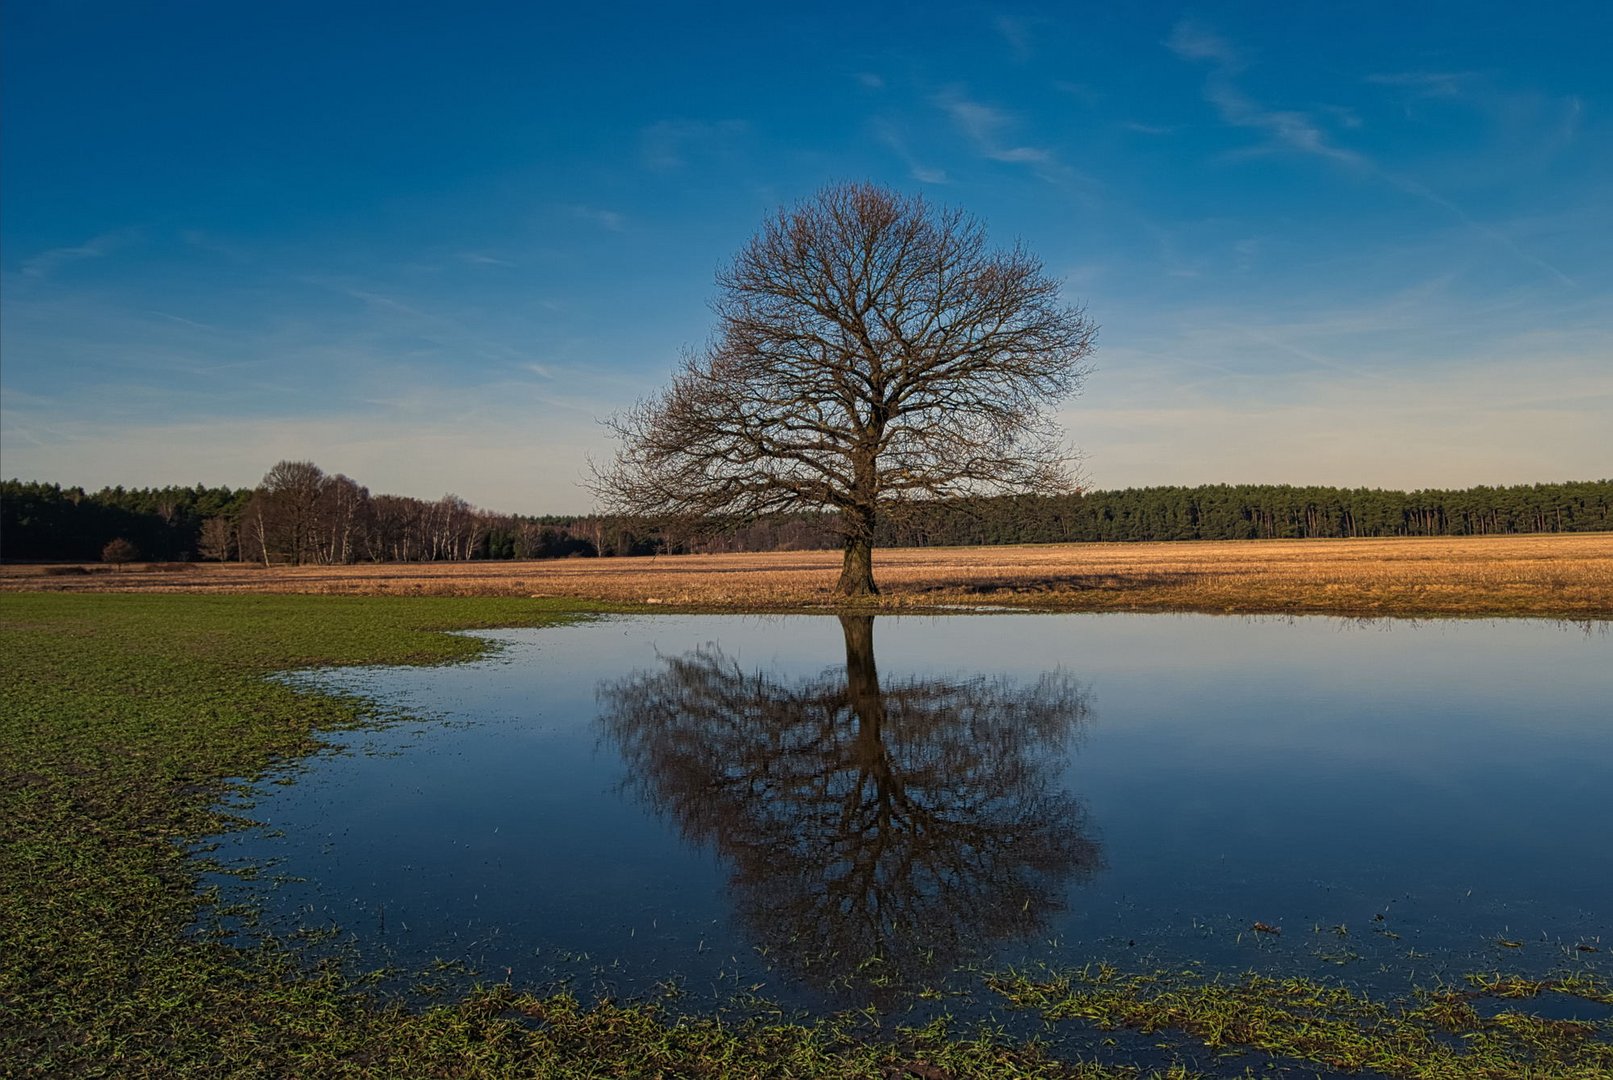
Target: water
837 811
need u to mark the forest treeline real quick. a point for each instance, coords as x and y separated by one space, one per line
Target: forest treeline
301 514
1260 511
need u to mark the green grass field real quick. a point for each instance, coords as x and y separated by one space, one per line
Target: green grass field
122 718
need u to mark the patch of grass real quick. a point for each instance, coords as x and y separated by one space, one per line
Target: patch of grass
1434 1035
1574 984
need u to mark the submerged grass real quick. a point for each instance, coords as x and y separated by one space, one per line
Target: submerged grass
122 720
1435 1035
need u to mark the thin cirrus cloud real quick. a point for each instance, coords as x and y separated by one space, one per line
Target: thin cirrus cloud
992 134
676 144
988 130
1298 131
47 263
888 136
1192 40
1288 128
1539 126
1016 33
1433 84
610 220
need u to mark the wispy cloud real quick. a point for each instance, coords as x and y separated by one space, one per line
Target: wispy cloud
670 144
990 129
49 262
1422 191
1170 255
993 134
479 258
1193 41
1346 116
605 219
181 320
887 134
1537 125
1568 126
435 332
1434 84
1016 32
1288 129
1089 96
870 81
1298 131
386 303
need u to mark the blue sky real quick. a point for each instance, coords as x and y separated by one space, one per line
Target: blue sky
430 246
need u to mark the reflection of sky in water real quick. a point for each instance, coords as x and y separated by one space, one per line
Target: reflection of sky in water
1449 776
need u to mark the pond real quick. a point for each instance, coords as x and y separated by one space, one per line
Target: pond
832 811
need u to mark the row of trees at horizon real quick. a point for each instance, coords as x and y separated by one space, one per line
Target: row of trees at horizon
1258 512
300 514
1205 512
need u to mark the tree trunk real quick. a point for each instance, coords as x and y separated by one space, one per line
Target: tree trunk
868 705
857 570
862 677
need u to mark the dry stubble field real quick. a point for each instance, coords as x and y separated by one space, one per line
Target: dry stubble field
1557 576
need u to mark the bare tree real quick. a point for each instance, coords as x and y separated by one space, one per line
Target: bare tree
454 528
218 538
870 351
286 506
339 513
395 529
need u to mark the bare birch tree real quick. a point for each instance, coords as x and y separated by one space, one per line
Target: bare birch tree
870 351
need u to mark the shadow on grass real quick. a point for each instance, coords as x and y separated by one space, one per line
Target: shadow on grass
1055 583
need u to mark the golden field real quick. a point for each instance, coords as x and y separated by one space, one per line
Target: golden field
1556 576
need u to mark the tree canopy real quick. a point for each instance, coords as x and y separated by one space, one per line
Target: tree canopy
871 352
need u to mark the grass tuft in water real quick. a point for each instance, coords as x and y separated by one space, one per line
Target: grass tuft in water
1435 1034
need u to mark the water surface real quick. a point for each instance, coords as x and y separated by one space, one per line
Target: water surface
830 811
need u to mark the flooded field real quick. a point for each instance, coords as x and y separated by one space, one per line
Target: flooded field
834 811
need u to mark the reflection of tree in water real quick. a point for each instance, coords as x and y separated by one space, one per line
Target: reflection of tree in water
874 834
